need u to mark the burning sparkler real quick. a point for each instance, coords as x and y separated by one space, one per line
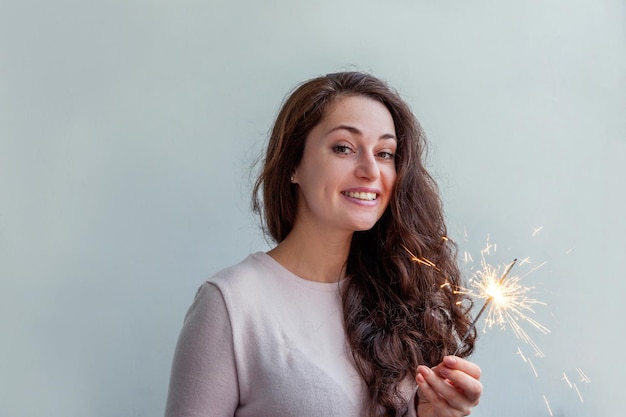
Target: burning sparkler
505 300
507 303
493 290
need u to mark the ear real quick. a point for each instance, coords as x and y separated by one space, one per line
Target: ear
294 177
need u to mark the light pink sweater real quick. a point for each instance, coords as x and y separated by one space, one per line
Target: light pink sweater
260 341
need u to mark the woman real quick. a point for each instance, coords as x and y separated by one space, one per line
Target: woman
352 313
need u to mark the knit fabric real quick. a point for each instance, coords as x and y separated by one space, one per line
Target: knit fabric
261 341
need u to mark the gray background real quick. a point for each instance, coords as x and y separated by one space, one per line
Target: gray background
127 133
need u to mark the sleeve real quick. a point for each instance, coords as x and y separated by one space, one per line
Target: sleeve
203 379
412 403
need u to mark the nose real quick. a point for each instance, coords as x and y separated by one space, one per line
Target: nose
367 166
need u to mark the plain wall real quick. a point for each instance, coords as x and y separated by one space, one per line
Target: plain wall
128 130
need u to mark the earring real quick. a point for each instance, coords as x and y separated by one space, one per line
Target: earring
291 178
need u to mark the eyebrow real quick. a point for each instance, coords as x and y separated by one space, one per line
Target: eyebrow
356 131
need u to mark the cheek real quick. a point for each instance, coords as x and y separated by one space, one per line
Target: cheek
313 185
389 183
390 178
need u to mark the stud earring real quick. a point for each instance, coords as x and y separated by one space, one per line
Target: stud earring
291 178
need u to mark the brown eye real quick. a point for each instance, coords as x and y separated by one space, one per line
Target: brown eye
386 155
342 149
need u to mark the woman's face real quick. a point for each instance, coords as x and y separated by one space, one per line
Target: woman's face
347 172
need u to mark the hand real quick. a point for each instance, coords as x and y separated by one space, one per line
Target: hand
450 389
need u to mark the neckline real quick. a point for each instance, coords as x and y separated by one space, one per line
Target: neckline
316 285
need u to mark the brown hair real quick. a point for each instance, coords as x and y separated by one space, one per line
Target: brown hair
400 306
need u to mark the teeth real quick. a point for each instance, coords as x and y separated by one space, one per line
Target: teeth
362 196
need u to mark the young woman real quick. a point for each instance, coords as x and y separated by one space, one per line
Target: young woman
353 312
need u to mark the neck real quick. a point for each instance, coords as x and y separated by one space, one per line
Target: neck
313 255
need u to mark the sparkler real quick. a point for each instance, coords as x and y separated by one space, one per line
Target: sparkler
493 291
507 304
506 301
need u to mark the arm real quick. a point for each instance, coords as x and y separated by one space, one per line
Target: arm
203 380
450 389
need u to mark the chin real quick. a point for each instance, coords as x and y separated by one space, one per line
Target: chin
364 227
362 224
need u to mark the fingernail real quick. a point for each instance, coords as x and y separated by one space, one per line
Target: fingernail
424 370
450 360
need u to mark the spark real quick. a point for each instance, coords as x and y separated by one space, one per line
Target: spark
422 260
534 268
488 247
533 368
578 392
508 301
548 405
573 385
489 294
583 377
566 379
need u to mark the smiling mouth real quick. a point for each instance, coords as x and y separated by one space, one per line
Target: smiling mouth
361 195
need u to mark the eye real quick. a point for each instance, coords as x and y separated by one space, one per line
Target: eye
342 149
386 155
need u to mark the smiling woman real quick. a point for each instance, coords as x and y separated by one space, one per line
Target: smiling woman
337 319
347 172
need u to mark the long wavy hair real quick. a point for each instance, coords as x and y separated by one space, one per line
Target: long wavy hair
400 306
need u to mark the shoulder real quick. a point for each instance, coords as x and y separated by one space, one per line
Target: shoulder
259 286
254 269
219 299
253 279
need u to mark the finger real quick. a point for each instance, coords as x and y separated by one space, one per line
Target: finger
442 391
463 382
470 368
426 394
463 374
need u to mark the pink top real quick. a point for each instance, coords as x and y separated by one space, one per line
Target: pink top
261 341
